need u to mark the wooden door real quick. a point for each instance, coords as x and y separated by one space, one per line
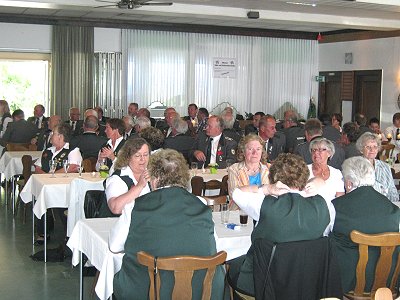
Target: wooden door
367 96
329 101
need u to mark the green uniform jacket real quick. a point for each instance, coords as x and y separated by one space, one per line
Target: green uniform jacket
166 222
368 211
288 218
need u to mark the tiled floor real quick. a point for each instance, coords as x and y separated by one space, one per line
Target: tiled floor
23 278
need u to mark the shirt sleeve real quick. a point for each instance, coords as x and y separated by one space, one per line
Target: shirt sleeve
115 187
249 202
332 215
120 230
75 157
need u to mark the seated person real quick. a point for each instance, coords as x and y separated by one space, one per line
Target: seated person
213 147
154 137
178 140
286 218
252 167
165 222
130 179
363 209
58 153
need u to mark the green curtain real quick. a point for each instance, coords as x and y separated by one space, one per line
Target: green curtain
72 69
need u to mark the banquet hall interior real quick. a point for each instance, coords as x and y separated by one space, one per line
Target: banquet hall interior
285 55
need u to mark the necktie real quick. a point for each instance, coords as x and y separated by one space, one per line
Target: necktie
37 122
73 125
126 136
398 134
208 151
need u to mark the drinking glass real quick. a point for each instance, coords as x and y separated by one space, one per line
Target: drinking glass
243 218
53 166
80 170
193 166
224 209
66 167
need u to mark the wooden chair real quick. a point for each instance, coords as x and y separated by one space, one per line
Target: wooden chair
215 201
199 187
26 173
388 242
183 268
21 147
386 151
89 164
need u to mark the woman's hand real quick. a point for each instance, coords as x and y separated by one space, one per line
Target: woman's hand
276 189
107 152
143 179
313 186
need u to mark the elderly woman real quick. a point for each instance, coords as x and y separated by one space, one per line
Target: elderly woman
362 209
369 144
321 150
168 221
289 217
130 179
252 166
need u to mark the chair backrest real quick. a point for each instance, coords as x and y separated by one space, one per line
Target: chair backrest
89 164
386 151
21 147
183 268
388 242
26 167
224 186
197 184
212 201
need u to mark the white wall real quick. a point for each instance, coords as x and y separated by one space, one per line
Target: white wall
377 54
37 38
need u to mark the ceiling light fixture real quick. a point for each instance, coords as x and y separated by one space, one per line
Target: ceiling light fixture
302 3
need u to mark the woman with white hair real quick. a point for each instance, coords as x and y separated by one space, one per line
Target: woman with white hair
362 209
369 144
322 150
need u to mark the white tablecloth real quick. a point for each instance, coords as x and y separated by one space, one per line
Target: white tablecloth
11 164
91 237
55 192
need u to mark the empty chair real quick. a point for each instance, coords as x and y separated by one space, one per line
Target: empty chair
183 268
89 164
199 186
387 242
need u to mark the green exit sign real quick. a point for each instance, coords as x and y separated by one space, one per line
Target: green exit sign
320 78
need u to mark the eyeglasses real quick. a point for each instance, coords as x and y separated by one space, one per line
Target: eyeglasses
371 148
318 150
137 155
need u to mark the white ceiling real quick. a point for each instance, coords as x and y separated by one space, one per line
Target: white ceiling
326 15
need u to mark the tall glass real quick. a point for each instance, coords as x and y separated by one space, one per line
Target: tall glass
66 167
53 166
80 169
193 166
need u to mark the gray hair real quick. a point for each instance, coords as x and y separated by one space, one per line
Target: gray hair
91 112
359 171
323 141
130 120
227 119
143 122
365 137
179 125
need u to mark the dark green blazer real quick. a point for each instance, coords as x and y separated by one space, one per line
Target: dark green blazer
368 211
166 222
288 218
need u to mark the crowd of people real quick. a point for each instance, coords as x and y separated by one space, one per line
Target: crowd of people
297 180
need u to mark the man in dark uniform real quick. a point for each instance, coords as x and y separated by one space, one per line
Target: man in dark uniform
74 121
274 141
228 121
165 125
350 134
253 128
191 118
313 129
328 131
213 147
129 126
18 131
179 140
38 119
292 130
43 141
89 143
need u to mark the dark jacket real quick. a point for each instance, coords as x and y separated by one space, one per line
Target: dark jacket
368 211
310 267
157 228
18 132
181 143
89 143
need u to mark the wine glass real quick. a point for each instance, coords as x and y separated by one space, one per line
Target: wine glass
66 167
80 169
193 166
53 166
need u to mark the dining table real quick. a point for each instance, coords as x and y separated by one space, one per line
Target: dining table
59 191
90 237
11 166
